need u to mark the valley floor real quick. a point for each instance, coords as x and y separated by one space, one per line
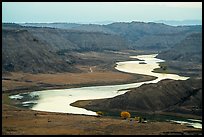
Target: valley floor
23 121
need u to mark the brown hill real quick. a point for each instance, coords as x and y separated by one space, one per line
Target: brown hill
185 58
34 49
189 49
140 35
21 51
183 97
44 49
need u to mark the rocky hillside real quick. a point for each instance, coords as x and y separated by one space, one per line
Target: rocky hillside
21 51
78 40
47 47
183 97
185 58
34 49
189 49
140 35
152 36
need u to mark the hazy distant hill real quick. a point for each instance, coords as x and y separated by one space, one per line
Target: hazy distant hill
10 25
140 35
94 28
52 25
152 36
33 49
189 49
181 22
78 40
165 96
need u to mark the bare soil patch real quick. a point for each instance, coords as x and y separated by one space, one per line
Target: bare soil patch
17 121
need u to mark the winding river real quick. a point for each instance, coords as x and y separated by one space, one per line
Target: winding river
59 100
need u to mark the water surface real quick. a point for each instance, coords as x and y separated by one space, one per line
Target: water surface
60 100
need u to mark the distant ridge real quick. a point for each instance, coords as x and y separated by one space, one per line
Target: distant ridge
181 22
48 45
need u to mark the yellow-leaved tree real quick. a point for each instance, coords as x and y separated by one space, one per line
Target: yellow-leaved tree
125 114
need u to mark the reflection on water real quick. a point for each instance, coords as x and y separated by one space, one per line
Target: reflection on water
190 123
60 100
146 69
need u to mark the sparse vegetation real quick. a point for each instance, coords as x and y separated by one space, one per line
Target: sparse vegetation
125 114
164 67
73 53
99 113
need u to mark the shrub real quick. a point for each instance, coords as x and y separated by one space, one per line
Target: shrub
99 113
136 118
125 114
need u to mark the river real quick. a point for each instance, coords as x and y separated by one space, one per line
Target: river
59 100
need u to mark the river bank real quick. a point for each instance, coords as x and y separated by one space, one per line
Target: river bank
15 82
18 121
47 99
108 128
